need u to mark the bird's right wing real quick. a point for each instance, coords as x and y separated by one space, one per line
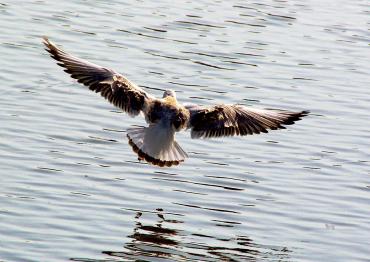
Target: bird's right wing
231 120
113 86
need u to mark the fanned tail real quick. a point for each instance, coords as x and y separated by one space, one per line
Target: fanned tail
156 144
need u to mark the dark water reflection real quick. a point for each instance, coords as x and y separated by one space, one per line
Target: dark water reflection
158 240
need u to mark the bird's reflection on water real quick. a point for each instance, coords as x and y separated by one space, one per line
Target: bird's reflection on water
160 241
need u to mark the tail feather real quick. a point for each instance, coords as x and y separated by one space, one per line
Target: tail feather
180 150
156 144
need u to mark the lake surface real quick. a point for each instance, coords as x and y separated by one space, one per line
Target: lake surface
72 189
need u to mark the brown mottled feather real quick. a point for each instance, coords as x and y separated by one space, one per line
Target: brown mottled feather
111 85
231 120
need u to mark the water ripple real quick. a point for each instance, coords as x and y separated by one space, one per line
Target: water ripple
71 188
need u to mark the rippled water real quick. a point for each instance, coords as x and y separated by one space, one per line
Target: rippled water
71 188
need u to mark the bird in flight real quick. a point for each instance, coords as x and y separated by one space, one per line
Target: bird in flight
165 116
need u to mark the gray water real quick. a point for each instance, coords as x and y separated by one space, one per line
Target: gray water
72 189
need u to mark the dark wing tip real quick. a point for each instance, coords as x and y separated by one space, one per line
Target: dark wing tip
52 49
293 117
305 112
47 43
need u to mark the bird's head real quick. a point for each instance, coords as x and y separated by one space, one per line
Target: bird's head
169 92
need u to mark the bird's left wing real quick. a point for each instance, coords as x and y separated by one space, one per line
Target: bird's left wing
113 86
230 120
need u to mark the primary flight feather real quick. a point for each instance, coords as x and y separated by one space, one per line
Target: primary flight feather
165 116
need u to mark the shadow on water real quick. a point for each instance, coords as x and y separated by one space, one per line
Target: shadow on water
162 240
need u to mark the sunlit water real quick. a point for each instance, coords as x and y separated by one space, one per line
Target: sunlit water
72 189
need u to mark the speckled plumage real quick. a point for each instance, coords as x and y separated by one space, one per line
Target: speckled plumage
165 116
168 109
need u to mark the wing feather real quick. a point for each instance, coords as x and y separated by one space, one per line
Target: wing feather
231 120
113 86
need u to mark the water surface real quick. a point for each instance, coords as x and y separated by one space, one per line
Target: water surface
71 188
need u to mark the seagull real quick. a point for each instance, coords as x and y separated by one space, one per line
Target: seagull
165 116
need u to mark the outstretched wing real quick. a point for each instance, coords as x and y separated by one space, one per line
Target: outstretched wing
111 85
230 120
